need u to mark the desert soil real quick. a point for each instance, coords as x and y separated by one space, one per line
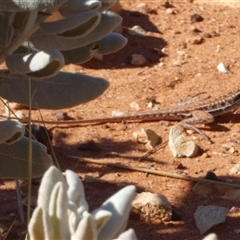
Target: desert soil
176 68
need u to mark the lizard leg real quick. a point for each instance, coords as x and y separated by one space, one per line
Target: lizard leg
198 117
199 97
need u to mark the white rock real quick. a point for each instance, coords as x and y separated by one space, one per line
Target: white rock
221 67
153 205
138 60
235 169
179 143
135 106
137 30
116 113
208 216
148 137
20 114
169 11
164 50
211 236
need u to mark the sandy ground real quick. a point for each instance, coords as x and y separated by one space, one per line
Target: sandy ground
176 68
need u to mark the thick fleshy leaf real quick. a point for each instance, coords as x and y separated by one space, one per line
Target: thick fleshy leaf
119 205
20 20
40 225
14 159
106 4
109 21
128 235
71 7
61 91
86 229
11 131
5 29
37 64
25 29
51 177
58 210
75 191
78 25
109 44
28 5
101 217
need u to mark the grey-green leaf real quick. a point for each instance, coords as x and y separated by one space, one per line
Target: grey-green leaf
14 159
71 7
109 44
28 5
37 64
106 4
78 25
61 91
109 21
11 131
5 29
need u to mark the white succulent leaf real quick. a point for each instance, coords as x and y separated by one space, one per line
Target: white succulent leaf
48 63
73 217
75 190
49 180
11 131
58 211
119 205
101 217
87 229
127 235
40 225
59 217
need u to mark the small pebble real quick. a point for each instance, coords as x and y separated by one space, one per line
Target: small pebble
215 34
164 50
196 40
219 48
195 30
235 169
135 106
137 30
196 18
176 31
221 67
116 113
237 231
142 7
226 146
207 35
180 145
61 116
138 60
170 11
90 146
153 206
147 137
234 209
167 4
20 114
3 229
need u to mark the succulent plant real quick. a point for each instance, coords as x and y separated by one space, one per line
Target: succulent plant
63 213
37 37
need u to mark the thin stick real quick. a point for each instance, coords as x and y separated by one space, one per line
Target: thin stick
18 192
156 172
50 143
29 151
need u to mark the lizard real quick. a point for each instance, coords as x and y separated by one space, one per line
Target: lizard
188 116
